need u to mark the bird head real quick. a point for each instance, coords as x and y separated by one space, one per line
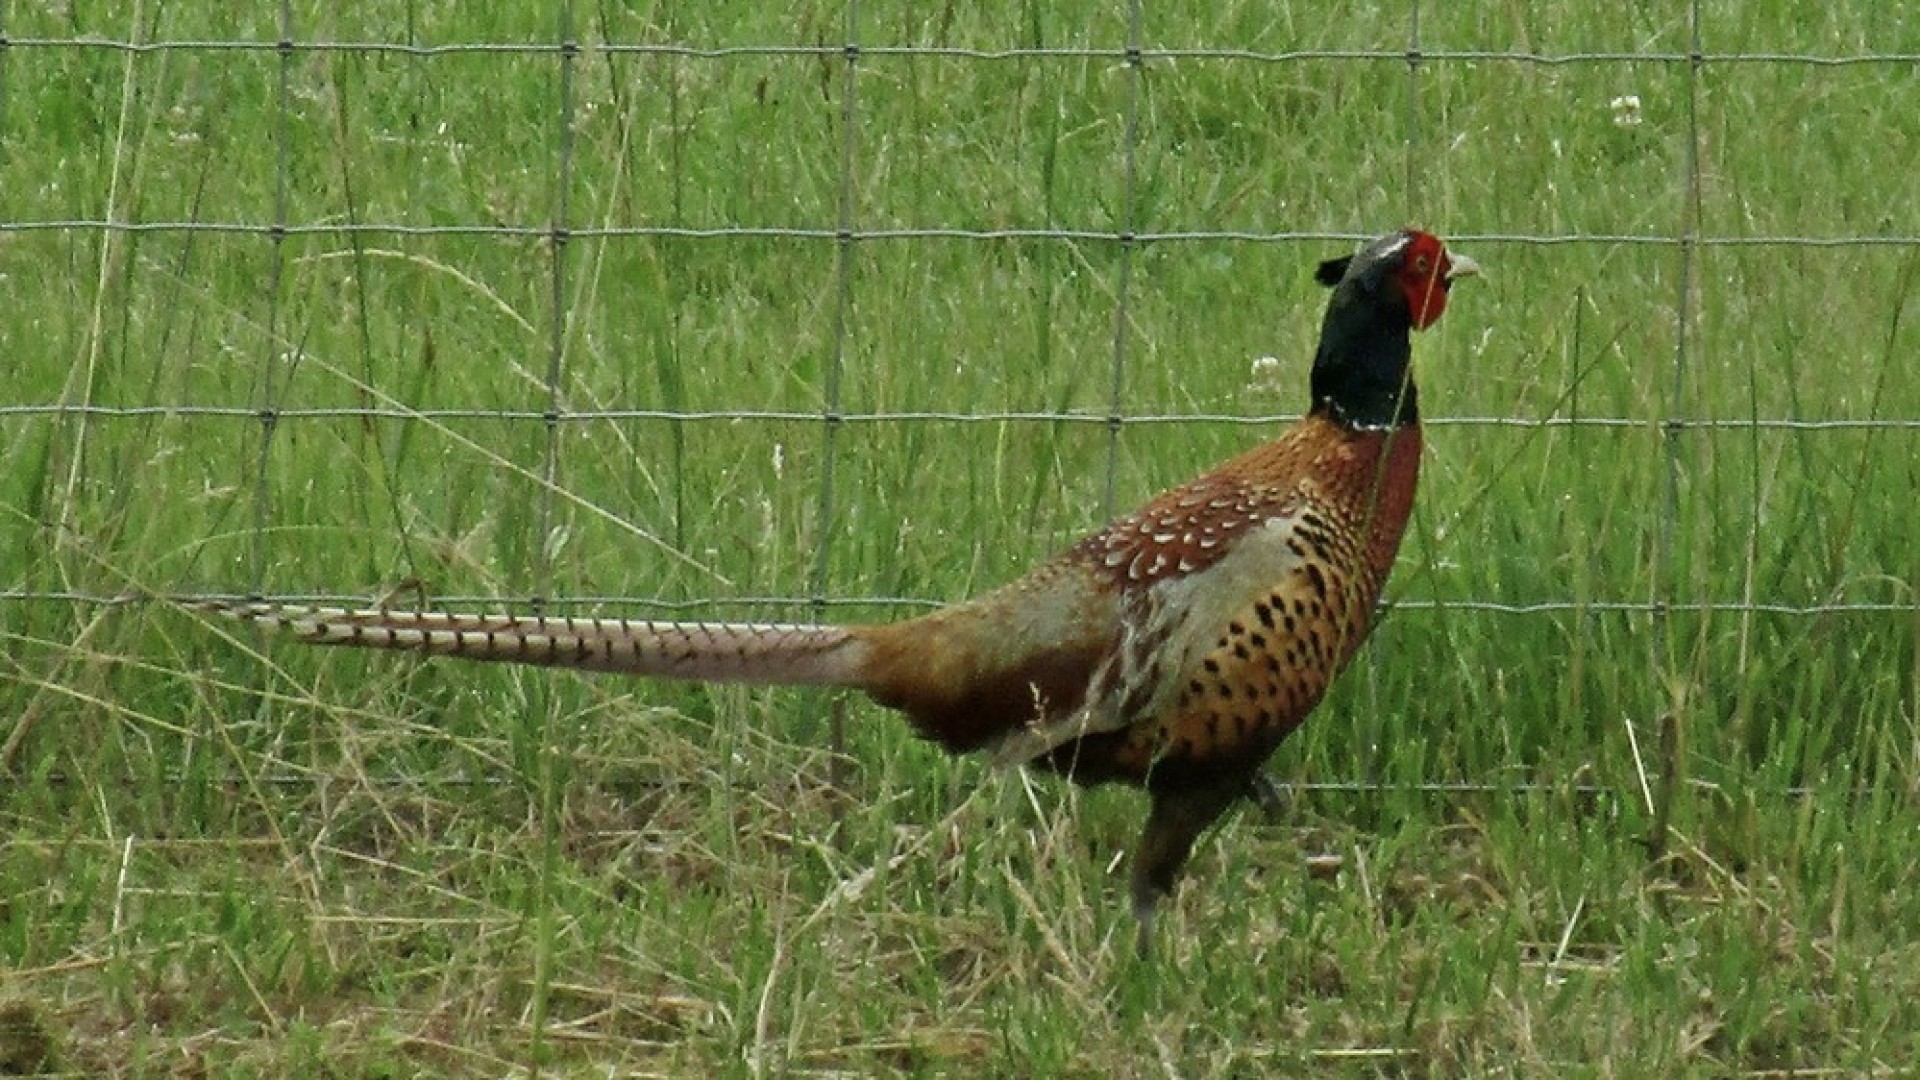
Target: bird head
1409 270
1394 285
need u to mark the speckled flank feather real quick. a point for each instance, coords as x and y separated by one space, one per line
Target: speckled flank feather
1245 592
767 653
1275 620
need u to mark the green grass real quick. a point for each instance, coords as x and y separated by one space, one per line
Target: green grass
1595 839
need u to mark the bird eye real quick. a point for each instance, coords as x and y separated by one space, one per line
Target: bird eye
1421 265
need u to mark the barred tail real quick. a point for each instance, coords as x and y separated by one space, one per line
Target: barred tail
765 653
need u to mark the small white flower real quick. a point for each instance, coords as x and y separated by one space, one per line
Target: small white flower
1626 110
1264 375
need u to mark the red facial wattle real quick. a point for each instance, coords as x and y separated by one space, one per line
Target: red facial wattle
1424 276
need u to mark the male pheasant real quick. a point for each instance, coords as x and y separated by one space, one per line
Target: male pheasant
1173 650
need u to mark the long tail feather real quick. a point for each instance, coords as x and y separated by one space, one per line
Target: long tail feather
764 653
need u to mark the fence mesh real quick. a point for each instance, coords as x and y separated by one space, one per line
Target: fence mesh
848 310
856 53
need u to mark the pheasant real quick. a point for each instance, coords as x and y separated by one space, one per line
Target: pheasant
1173 650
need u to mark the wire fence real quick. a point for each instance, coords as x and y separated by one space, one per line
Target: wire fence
223 850
572 44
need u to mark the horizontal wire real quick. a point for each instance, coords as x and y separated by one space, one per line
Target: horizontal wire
497 603
933 232
361 412
1117 53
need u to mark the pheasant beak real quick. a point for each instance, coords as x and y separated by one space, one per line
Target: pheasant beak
1460 266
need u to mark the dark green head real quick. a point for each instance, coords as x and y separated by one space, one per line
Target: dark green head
1381 294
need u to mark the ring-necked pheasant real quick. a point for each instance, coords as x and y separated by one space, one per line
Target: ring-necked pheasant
1173 650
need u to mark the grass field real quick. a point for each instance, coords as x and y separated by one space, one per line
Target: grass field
1626 784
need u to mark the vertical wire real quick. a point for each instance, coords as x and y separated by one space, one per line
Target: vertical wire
1669 701
1374 748
269 399
559 235
548 763
1413 111
672 255
832 415
1673 429
1116 400
6 51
